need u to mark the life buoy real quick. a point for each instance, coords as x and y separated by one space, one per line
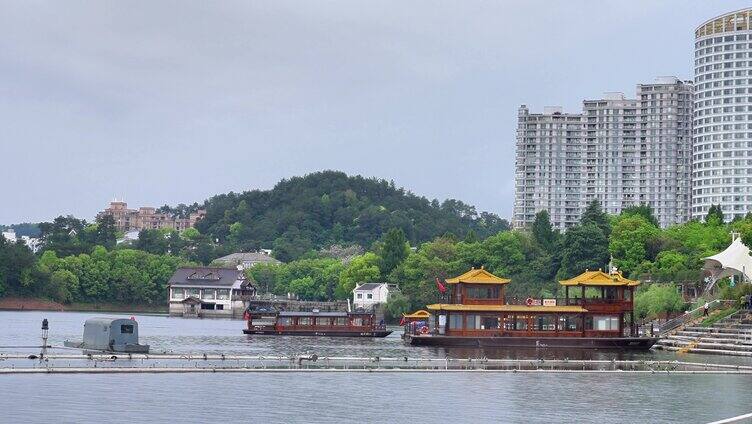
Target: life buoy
529 301
424 330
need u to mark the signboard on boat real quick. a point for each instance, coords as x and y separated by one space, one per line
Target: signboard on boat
549 302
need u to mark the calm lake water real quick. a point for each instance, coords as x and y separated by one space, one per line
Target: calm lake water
349 397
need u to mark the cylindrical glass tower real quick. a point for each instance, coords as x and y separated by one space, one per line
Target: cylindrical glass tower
722 133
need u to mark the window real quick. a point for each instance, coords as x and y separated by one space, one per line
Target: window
126 329
455 321
359 295
369 296
520 323
207 306
358 321
605 323
472 322
207 294
544 323
284 321
223 294
305 321
323 321
489 323
178 294
570 323
219 307
478 292
340 321
192 293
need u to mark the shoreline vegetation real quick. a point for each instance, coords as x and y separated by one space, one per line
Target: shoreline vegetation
333 232
41 304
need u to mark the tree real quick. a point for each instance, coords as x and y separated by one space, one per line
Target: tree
644 211
543 232
105 233
593 214
396 305
361 269
584 247
152 241
393 251
629 242
715 215
658 299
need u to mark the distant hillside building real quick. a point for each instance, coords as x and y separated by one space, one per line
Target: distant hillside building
147 218
209 292
368 295
246 260
621 152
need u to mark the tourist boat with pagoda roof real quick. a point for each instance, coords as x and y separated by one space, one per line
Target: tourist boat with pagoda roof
598 315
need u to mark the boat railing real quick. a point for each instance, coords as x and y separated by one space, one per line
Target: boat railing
563 301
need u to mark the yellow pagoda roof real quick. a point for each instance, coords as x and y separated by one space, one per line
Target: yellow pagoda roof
599 278
478 276
505 308
417 314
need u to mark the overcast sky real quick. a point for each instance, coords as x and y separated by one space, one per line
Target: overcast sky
171 102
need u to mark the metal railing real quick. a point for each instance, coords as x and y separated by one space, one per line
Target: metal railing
675 323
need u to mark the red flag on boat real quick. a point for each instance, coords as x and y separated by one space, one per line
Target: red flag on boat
440 286
402 321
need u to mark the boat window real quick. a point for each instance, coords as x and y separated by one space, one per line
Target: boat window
340 321
472 322
489 323
192 293
323 321
219 307
357 321
284 321
369 296
207 294
360 295
570 323
177 293
544 323
475 292
455 321
223 294
520 323
605 323
305 321
126 329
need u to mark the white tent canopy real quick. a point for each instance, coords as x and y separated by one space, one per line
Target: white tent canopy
735 260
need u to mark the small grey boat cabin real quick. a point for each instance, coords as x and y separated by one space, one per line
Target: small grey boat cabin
110 335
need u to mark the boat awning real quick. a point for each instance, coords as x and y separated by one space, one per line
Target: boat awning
421 314
506 308
599 279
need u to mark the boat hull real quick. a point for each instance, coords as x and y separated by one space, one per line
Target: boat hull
319 333
619 343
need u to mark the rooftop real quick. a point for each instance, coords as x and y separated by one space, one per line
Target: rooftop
241 257
599 278
478 276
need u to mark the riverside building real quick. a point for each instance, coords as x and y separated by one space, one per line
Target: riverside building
722 137
621 152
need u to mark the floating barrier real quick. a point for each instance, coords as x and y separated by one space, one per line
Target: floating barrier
16 363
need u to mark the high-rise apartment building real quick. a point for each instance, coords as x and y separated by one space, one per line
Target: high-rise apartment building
621 152
722 127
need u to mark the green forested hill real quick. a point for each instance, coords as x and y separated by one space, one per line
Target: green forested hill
323 208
